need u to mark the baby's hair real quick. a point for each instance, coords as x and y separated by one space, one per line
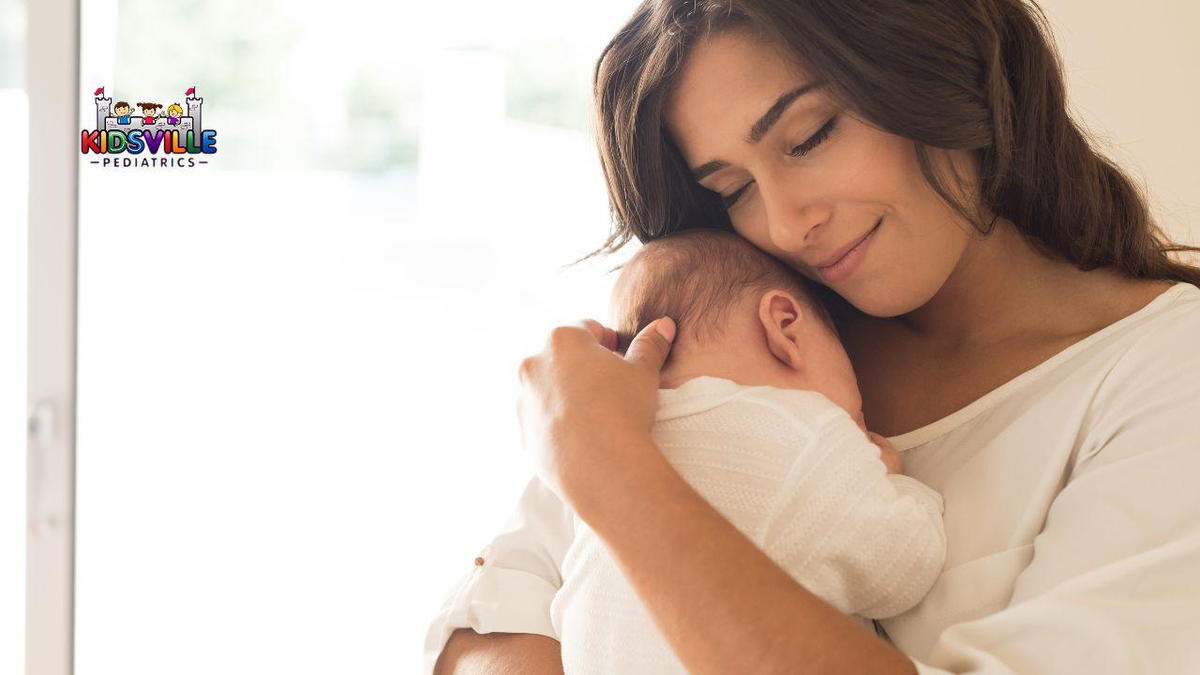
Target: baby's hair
695 277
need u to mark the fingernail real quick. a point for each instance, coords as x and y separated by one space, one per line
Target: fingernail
665 327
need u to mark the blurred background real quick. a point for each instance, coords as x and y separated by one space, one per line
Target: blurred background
297 364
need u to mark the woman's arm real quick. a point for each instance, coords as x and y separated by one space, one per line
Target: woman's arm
723 605
505 591
469 653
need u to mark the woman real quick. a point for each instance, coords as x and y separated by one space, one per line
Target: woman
1017 327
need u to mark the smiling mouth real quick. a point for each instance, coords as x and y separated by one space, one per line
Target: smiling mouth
856 245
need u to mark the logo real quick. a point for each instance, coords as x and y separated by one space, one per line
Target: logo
156 134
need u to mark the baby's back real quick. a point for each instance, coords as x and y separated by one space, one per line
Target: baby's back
794 474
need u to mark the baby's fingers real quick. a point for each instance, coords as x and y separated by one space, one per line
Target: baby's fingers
891 459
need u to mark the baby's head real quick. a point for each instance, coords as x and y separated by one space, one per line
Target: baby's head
739 313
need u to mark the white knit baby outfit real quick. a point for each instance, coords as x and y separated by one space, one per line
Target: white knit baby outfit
795 474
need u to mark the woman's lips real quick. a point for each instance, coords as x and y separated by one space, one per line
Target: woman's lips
849 261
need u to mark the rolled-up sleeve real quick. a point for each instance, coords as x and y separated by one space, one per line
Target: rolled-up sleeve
509 587
1113 586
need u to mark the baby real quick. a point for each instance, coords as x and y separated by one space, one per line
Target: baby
759 411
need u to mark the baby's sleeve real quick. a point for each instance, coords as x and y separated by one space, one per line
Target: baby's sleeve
510 585
868 542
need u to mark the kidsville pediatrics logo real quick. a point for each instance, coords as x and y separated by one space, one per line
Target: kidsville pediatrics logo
157 134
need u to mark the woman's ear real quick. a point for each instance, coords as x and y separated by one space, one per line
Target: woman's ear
783 322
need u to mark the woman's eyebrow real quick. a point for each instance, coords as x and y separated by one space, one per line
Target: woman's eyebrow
761 127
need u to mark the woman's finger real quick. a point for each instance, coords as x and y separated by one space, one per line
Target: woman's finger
610 340
526 369
605 336
652 344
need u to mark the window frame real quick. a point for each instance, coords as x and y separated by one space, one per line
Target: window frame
52 87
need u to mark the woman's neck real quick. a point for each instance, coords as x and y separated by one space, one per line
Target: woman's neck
1003 287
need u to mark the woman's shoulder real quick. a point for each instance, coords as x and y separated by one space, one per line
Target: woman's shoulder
1154 324
1159 359
1168 324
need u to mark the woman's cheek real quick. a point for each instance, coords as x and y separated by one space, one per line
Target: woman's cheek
889 281
910 267
755 231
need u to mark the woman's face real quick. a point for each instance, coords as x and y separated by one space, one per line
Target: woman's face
817 180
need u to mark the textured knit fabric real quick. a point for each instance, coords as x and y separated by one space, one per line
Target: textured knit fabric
796 475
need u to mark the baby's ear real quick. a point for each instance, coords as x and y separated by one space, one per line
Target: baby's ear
783 320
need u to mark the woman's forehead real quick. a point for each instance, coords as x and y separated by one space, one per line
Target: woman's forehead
726 82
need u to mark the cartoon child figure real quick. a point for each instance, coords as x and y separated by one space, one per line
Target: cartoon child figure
174 112
122 110
149 112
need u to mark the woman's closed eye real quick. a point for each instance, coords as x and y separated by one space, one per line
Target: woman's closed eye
799 151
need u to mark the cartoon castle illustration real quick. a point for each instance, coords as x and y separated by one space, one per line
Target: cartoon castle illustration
106 120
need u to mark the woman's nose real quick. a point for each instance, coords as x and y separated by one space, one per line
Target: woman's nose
791 219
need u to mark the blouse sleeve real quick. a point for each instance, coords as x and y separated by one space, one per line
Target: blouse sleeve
509 587
1113 586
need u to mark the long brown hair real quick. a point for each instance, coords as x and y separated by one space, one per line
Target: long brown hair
980 75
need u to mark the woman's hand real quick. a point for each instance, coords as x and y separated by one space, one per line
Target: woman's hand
579 397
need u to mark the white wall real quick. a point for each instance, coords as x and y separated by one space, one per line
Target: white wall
1132 78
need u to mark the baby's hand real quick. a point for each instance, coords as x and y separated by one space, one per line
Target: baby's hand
891 459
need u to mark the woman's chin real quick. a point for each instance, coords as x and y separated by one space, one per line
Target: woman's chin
881 299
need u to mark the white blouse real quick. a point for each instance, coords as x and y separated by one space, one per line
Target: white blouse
1071 511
